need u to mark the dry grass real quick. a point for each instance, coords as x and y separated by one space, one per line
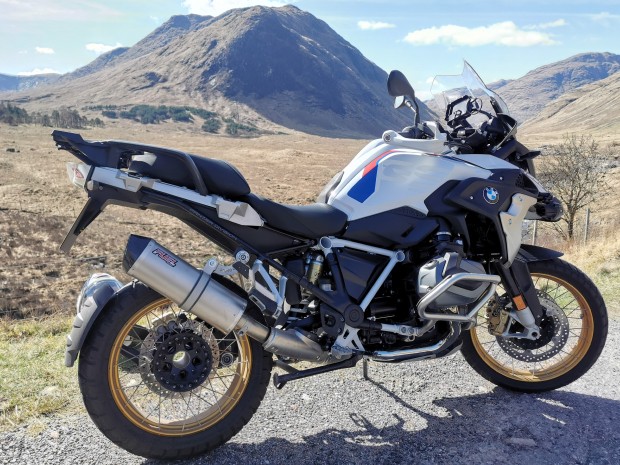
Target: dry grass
600 259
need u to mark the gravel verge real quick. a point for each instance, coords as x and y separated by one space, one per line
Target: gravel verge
430 412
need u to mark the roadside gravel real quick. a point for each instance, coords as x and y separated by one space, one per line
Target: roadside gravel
431 412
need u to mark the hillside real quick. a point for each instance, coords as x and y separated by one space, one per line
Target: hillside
591 109
280 64
528 95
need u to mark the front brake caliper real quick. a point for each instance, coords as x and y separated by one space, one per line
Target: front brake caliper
498 314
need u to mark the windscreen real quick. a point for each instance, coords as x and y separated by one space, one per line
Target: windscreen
447 90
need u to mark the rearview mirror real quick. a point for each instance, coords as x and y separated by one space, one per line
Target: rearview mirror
399 85
399 101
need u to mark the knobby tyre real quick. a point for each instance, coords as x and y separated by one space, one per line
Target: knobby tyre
574 331
161 384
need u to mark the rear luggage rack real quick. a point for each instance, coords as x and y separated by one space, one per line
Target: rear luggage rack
111 153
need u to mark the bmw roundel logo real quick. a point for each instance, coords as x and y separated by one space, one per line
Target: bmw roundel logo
491 195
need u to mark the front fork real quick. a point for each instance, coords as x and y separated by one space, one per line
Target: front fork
520 288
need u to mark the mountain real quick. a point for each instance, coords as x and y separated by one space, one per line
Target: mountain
528 95
17 83
590 109
282 64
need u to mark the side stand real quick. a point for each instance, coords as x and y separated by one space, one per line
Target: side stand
365 369
292 374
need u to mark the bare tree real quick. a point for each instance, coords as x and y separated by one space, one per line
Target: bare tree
575 174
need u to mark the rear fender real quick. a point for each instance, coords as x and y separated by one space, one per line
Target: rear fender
98 291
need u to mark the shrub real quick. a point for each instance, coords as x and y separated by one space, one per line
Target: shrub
212 125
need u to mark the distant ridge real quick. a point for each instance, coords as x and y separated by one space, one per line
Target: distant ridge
17 83
529 94
591 109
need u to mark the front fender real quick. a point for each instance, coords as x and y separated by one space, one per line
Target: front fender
533 253
523 278
97 291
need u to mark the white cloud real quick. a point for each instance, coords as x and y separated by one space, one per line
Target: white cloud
374 25
38 71
217 7
45 50
557 23
22 52
605 18
102 48
505 33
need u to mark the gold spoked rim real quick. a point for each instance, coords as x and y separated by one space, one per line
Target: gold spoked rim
576 313
151 406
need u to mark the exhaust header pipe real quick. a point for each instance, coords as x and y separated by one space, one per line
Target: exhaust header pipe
197 292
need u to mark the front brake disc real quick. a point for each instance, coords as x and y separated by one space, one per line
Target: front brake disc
554 333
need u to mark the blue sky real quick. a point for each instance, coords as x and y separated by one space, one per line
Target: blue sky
501 39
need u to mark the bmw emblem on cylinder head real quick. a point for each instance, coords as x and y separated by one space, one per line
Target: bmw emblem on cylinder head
491 195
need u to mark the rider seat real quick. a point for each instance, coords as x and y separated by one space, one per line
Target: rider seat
311 221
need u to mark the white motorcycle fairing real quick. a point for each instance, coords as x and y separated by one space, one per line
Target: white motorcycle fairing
402 172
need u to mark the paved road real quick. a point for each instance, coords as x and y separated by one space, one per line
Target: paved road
432 412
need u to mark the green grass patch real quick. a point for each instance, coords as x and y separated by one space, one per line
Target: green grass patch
150 114
235 128
212 125
33 378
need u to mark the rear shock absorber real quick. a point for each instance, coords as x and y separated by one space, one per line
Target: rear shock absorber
314 267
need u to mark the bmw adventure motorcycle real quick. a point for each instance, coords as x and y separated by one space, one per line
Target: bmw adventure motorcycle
413 251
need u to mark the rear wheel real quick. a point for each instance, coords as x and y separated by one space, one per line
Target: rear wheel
162 384
573 333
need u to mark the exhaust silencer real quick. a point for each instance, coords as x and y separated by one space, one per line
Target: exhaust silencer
196 291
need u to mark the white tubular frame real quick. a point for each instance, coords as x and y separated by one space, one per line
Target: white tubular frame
395 256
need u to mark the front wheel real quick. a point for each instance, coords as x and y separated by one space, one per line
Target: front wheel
162 384
573 333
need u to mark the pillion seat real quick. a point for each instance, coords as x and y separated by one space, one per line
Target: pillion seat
222 178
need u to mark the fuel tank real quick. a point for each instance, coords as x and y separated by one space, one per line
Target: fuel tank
395 172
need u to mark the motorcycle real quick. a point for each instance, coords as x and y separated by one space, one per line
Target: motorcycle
413 251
